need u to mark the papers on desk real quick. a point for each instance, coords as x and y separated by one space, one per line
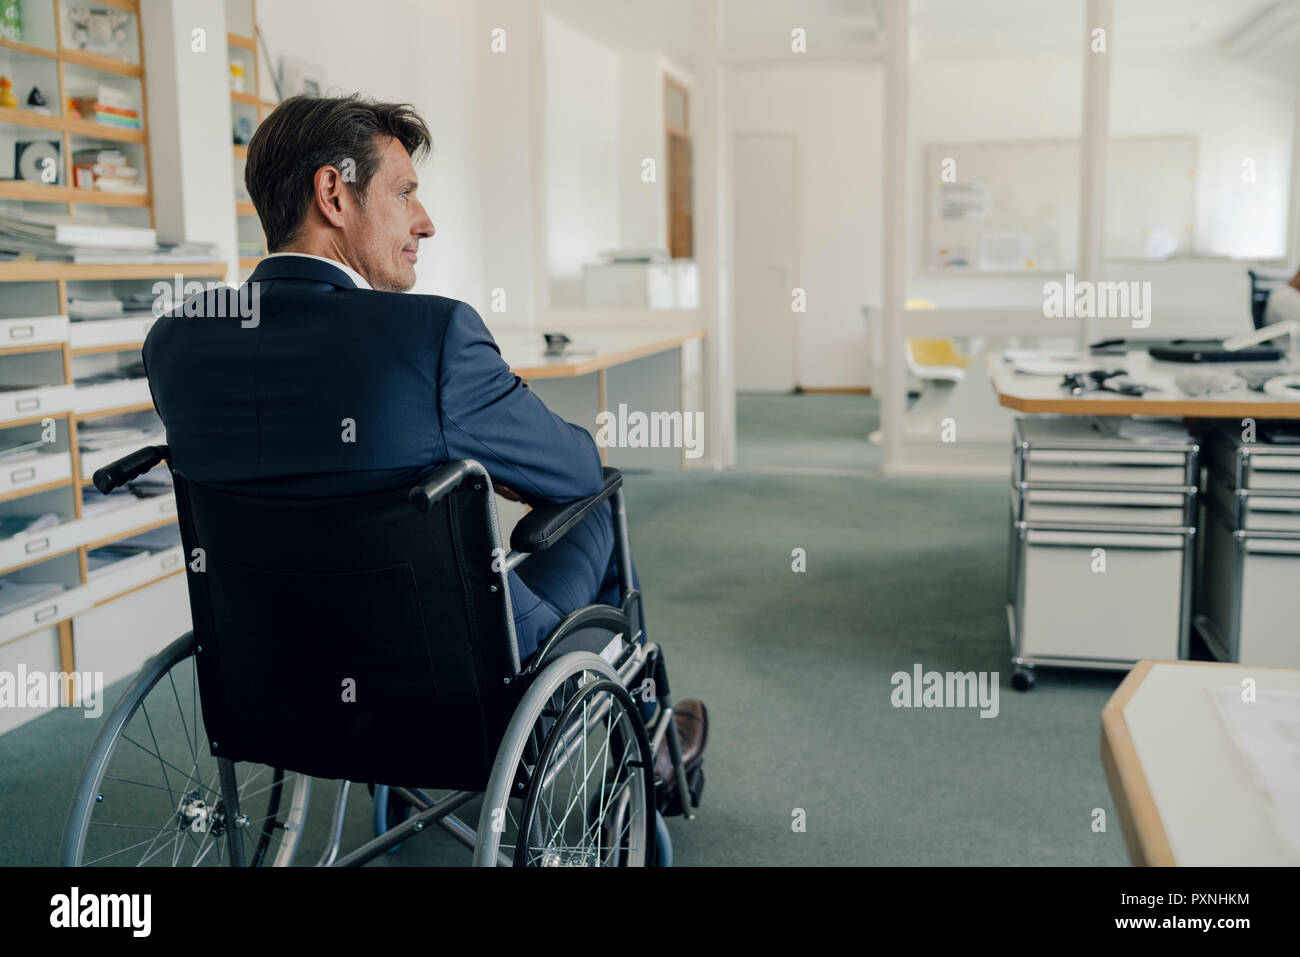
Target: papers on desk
1035 362
1267 735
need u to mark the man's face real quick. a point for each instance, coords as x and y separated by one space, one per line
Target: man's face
383 238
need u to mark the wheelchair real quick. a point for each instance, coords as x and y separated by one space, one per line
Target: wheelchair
370 639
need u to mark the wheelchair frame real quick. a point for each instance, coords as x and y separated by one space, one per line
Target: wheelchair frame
548 674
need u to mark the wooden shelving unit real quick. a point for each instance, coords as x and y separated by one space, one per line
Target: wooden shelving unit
46 342
244 48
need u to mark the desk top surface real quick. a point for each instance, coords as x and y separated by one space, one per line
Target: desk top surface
1180 771
1044 394
590 351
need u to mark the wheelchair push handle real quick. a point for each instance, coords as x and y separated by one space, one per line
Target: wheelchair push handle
128 467
433 489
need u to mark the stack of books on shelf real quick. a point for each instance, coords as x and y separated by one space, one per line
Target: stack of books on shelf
110 307
107 105
105 169
63 238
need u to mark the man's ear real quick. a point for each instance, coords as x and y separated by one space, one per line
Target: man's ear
329 191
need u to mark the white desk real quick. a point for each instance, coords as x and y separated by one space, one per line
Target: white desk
1043 393
1184 792
644 369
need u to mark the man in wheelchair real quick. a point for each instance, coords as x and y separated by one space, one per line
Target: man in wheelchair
302 423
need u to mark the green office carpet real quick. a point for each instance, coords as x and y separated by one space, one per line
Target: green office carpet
795 669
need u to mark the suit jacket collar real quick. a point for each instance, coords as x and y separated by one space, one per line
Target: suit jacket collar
301 267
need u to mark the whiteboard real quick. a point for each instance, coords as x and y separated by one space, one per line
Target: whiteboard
1013 207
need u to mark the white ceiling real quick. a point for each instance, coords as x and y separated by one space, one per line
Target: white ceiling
949 28
962 28
668 26
635 26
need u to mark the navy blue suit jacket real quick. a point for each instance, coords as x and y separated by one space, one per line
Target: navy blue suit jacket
263 409
261 406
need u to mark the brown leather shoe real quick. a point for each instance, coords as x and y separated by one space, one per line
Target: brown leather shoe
692 732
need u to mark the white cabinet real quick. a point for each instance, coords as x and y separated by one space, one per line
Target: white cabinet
1103 532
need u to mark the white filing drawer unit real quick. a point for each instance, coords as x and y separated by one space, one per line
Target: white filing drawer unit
1248 602
1084 499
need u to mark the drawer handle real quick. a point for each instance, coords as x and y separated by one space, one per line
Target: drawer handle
37 546
169 561
31 402
23 475
22 332
47 612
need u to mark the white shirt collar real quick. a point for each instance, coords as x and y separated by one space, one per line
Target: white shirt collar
351 273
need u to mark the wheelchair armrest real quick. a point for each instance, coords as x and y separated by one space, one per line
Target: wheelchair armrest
128 467
446 479
543 527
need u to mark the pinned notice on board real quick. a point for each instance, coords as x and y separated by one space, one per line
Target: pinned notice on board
965 202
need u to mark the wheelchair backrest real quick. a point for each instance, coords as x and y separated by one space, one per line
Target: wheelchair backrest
350 637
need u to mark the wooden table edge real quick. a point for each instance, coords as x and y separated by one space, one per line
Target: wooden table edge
1148 844
599 362
1186 408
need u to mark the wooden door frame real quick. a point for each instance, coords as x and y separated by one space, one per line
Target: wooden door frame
679 132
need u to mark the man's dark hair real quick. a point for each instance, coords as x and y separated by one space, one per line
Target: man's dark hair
305 133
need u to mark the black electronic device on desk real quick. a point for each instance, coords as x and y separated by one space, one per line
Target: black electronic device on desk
1212 350
1186 350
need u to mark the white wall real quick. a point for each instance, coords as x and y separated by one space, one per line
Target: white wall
1238 113
582 156
643 206
1233 109
424 52
189 120
836 111
503 160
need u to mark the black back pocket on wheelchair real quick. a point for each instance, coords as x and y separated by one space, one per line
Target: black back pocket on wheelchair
330 671
350 637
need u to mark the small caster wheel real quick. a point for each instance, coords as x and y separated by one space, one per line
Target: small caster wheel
1022 679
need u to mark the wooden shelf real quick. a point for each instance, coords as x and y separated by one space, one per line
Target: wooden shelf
73 132
105 64
28 49
145 584
131 346
248 99
114 410
131 6
129 532
245 209
41 193
241 152
79 127
32 489
239 40
20 271
19 350
249 262
102 131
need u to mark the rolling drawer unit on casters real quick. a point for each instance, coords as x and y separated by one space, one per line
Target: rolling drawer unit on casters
1248 605
1100 563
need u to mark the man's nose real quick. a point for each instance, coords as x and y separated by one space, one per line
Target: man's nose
423 226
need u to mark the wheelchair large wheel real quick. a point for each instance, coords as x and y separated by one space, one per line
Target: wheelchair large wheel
151 793
573 783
